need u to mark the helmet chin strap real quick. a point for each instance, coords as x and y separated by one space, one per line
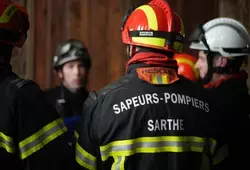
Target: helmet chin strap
131 51
220 70
208 77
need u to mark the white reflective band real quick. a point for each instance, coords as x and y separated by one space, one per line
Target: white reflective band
118 163
154 145
38 140
84 158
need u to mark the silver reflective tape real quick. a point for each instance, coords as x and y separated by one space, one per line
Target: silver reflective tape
159 79
117 163
7 143
134 146
85 159
41 138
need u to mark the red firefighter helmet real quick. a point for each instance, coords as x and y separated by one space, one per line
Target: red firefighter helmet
153 25
186 64
14 23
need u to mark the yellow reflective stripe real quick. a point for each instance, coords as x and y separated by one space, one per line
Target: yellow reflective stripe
190 63
220 155
38 140
153 24
83 164
118 163
151 16
7 143
151 139
8 13
153 145
5 137
122 163
76 135
40 132
165 79
84 158
213 145
150 40
154 79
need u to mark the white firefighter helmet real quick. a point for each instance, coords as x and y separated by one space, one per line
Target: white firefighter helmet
224 35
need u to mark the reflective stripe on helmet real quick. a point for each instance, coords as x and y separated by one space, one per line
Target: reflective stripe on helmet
190 63
8 13
151 16
153 25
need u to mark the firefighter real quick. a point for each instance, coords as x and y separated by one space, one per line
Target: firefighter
186 66
32 134
150 118
223 45
72 64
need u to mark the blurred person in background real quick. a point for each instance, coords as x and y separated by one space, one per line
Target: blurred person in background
186 66
32 133
72 64
223 45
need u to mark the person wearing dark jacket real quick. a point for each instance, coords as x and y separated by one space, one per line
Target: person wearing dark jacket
72 64
32 133
151 118
223 45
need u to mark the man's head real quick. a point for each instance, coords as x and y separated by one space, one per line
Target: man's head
221 64
153 26
14 24
223 44
72 64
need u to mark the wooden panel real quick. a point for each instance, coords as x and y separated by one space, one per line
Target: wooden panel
29 46
195 12
18 60
50 29
115 51
59 32
98 43
41 14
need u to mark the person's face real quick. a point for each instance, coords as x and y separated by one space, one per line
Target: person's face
73 75
202 64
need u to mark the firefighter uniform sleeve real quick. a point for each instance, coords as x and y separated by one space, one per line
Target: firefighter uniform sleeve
86 140
41 140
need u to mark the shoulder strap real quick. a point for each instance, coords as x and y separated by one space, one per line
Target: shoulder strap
19 82
92 97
